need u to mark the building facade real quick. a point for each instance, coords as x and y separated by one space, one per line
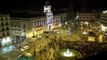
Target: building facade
103 20
5 38
86 17
38 25
32 27
20 28
90 20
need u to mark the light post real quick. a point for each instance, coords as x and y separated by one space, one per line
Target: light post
33 33
34 50
34 43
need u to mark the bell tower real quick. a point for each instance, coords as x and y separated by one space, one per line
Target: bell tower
49 16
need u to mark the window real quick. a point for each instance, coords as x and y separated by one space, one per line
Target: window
2 29
23 25
3 34
7 28
2 24
1 19
8 33
7 23
6 18
24 31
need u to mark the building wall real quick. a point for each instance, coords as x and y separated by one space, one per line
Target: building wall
38 25
33 26
21 27
103 21
4 28
63 16
88 19
86 16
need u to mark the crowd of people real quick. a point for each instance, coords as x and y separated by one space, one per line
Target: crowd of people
87 49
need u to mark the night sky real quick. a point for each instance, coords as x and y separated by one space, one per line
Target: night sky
38 4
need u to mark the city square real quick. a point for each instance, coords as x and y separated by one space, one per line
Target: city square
54 35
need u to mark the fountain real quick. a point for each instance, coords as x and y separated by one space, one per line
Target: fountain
68 53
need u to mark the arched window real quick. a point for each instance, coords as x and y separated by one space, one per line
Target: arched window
7 28
8 33
7 23
3 34
2 24
2 29
1 19
6 18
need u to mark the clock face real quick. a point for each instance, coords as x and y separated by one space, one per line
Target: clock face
47 8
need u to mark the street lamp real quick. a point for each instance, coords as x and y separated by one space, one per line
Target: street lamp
34 50
34 43
33 32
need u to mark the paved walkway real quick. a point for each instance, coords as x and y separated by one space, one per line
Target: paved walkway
48 55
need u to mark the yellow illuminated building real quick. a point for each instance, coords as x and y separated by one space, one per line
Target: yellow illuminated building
91 39
100 38
30 27
103 21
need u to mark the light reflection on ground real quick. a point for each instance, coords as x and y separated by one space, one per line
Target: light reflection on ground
8 49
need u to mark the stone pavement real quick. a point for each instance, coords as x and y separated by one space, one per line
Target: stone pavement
47 56
13 55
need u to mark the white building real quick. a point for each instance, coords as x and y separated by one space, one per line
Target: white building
5 39
103 20
49 16
20 28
